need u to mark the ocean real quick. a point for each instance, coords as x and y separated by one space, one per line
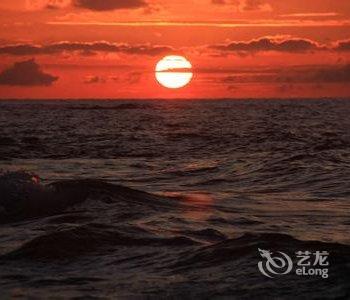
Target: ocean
104 199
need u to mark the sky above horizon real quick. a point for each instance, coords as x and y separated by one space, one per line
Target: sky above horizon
238 48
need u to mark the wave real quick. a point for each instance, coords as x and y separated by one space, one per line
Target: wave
91 238
187 252
248 244
7 141
23 196
113 107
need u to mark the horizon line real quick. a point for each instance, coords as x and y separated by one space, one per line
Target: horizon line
176 99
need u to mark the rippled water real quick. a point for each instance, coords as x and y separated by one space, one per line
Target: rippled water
209 182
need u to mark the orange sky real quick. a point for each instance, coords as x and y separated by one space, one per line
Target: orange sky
238 48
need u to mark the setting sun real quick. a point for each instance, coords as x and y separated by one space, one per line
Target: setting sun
174 72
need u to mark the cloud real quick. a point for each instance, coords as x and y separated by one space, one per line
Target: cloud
94 79
255 5
311 15
95 5
104 5
26 73
338 74
343 45
126 78
246 5
316 74
49 4
243 48
134 77
218 2
271 44
56 4
294 75
83 48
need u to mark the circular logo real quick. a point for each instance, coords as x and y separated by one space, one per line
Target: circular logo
274 264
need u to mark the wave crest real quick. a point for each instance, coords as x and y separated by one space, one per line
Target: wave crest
23 196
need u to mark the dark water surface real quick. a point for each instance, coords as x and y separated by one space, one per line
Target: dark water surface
172 198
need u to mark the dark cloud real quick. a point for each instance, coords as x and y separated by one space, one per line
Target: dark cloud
245 5
129 78
246 78
218 2
26 73
103 5
343 45
316 74
253 5
22 49
83 48
270 44
243 48
287 88
134 77
294 75
94 79
56 4
339 74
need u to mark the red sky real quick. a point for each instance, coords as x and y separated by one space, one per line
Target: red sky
238 48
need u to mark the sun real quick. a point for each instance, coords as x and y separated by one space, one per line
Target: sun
174 72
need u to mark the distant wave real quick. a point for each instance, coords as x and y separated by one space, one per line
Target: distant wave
7 141
113 107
